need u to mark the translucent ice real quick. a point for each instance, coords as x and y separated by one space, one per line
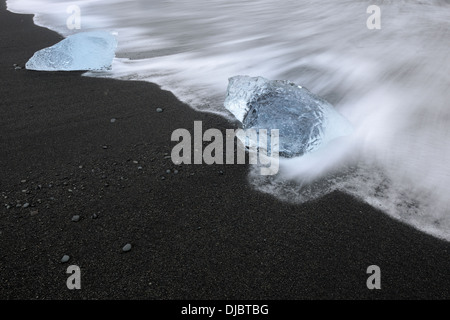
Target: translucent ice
304 120
82 51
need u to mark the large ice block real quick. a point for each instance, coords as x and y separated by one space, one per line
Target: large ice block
304 120
93 50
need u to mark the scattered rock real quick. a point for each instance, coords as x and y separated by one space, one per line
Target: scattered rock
18 68
139 168
23 181
163 178
65 258
126 248
159 110
113 120
105 147
175 171
168 171
26 205
94 216
33 213
76 218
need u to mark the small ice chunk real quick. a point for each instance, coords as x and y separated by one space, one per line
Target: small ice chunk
304 120
93 50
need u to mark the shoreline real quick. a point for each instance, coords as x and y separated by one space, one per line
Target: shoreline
198 234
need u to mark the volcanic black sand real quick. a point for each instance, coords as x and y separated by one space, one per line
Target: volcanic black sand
198 234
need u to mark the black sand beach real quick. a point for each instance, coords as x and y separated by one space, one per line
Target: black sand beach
198 234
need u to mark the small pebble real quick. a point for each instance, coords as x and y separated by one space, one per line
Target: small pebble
139 168
105 147
168 171
18 68
163 178
175 171
23 181
33 213
26 205
76 218
18 205
94 216
113 120
126 248
159 110
65 258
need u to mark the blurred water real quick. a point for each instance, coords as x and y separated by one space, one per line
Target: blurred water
392 84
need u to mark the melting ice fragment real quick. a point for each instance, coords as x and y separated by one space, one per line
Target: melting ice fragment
93 50
304 120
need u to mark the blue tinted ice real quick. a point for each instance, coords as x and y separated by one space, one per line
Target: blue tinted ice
82 51
305 121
